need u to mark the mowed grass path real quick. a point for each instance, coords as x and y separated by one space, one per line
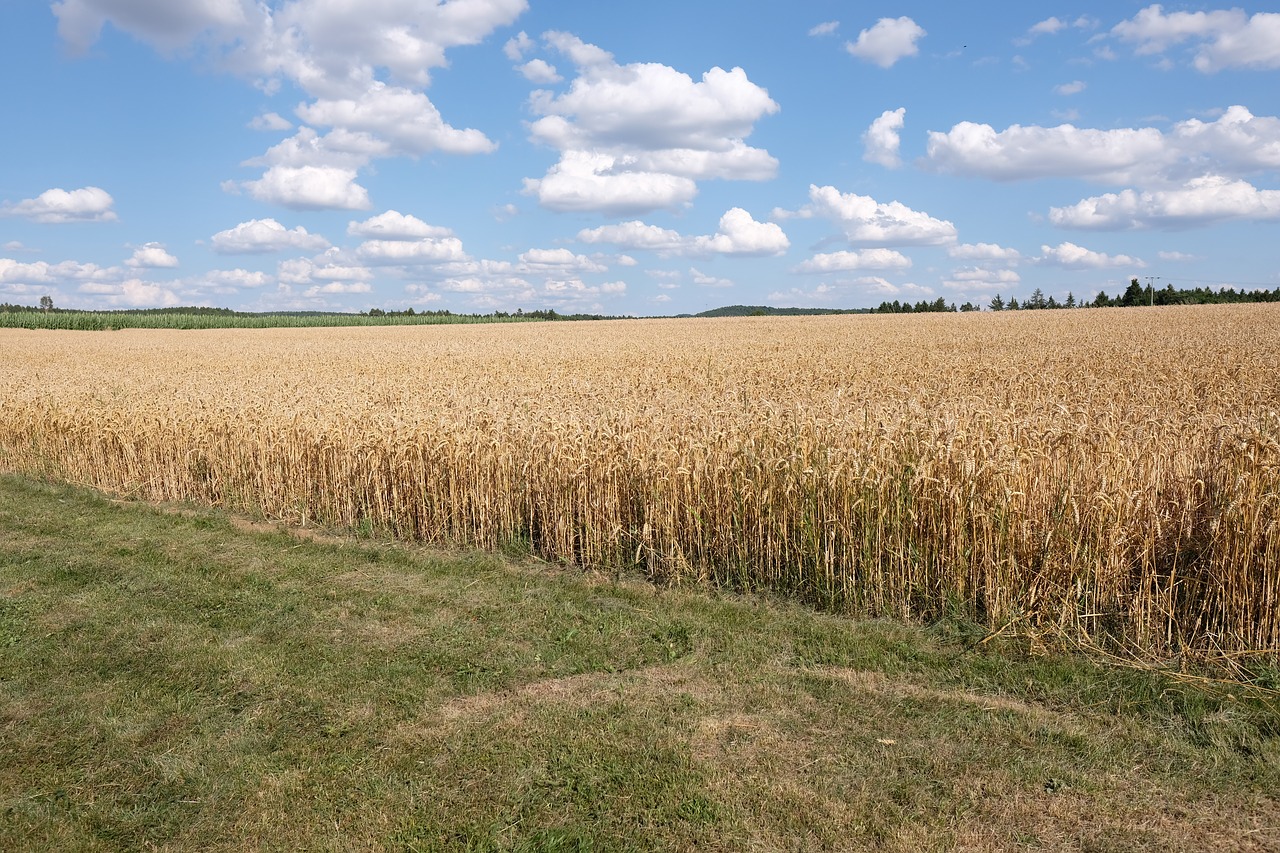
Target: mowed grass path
181 680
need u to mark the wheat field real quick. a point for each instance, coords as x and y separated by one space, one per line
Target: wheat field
1108 474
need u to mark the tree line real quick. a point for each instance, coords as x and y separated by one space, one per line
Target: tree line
1134 295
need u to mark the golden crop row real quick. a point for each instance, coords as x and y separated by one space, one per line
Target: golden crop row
1113 473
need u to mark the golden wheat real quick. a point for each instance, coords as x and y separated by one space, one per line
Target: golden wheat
1109 473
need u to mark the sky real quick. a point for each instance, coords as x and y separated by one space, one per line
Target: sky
631 158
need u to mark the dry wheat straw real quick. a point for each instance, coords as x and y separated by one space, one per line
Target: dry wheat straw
1109 474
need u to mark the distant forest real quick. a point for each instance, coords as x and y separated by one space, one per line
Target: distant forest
46 316
1135 295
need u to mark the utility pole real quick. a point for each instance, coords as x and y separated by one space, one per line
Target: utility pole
1151 282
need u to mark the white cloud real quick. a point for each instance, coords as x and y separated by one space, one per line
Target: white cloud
635 235
867 259
703 280
394 225
260 236
635 138
982 252
587 181
400 251
329 267
739 234
151 256
310 188
882 138
868 222
362 65
406 120
270 121
1073 257
540 71
1047 26
133 293
337 287
1201 201
560 260
969 276
41 272
828 293
824 29
165 24
1019 152
1224 38
1237 143
1075 87
1178 257
236 278
517 46
890 40
88 204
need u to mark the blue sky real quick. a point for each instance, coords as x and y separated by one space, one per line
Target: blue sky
631 158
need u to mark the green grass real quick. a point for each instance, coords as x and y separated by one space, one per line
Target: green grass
180 680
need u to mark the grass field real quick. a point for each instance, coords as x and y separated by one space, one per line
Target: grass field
1106 476
177 679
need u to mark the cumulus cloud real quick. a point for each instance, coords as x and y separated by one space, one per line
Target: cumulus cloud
824 29
394 225
1201 201
1236 144
867 259
270 121
151 256
882 140
1073 257
1075 87
1047 26
1019 153
362 65
868 222
517 46
561 260
967 277
42 272
703 280
88 204
164 24
983 252
134 293
890 40
429 250
635 138
828 293
235 279
261 236
328 267
738 234
405 120
540 71
586 181
310 188
1221 38
1050 26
